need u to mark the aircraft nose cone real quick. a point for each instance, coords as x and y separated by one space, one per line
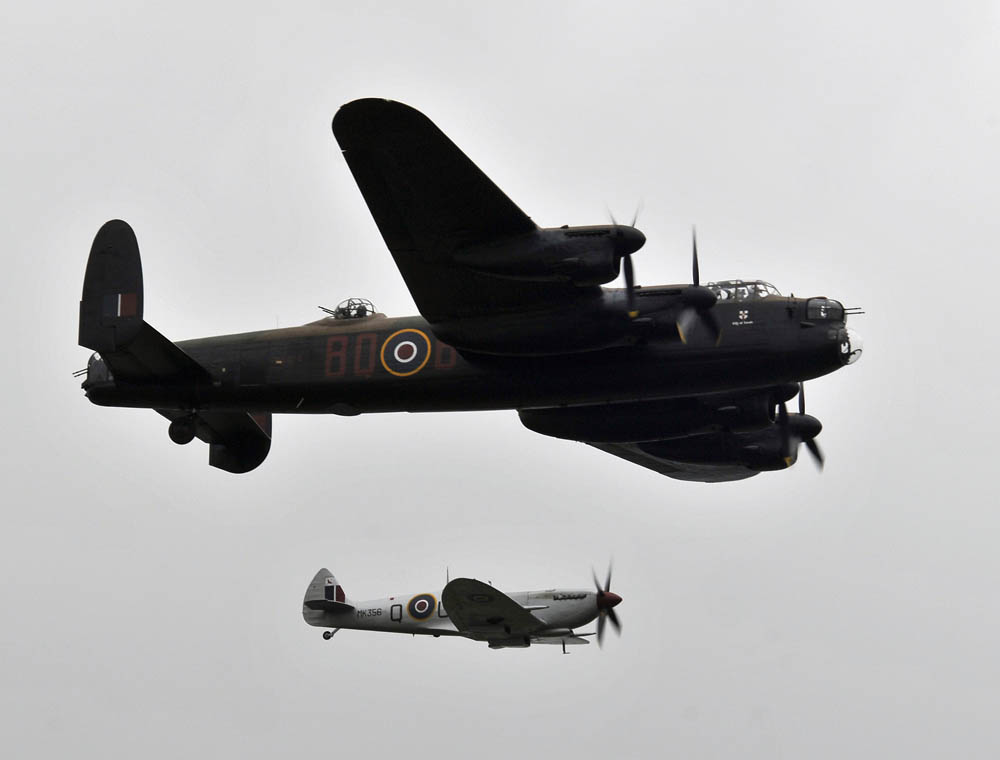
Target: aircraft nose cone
607 600
806 425
630 240
851 347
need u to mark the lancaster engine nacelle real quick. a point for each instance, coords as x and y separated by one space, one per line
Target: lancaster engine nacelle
580 255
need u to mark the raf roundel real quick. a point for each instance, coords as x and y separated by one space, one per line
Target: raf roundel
421 606
405 352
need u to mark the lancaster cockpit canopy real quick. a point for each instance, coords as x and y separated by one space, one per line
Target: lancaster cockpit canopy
743 290
352 308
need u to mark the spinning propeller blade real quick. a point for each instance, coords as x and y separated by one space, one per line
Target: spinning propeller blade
804 429
786 434
814 449
629 286
697 303
606 601
810 441
613 617
627 261
694 257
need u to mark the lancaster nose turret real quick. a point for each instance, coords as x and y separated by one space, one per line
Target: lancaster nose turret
851 346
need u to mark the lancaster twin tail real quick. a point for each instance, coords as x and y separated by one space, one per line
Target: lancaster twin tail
688 380
469 608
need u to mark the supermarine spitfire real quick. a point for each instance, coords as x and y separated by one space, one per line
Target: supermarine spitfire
469 608
688 380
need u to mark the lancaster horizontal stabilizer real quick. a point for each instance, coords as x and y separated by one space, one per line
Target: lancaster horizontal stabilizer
238 441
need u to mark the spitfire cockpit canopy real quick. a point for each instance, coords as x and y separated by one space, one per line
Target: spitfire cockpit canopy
352 308
743 290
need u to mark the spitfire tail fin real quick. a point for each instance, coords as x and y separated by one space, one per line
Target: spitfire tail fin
324 594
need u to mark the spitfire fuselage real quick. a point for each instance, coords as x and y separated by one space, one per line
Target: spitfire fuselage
561 610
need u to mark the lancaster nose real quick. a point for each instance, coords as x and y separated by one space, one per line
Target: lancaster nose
851 346
607 600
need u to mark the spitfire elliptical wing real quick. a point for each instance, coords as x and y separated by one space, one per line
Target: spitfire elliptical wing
479 609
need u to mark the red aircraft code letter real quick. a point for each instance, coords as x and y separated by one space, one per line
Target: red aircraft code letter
336 356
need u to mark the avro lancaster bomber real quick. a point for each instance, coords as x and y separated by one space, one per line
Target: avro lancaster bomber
688 380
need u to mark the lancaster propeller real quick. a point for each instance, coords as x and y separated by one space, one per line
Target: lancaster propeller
802 428
697 303
629 245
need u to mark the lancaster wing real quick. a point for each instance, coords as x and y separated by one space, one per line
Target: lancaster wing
431 202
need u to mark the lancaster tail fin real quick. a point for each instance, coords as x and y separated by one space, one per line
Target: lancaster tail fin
111 308
111 320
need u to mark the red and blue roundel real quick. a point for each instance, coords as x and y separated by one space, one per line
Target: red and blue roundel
421 606
405 352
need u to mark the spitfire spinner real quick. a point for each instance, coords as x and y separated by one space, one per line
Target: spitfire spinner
688 380
469 608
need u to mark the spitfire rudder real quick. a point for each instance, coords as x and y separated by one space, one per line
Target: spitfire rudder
324 594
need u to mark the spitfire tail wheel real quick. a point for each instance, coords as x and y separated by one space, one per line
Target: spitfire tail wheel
181 430
606 602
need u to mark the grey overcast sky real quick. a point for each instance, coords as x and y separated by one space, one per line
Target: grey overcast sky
151 603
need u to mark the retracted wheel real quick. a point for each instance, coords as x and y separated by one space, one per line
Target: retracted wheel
181 430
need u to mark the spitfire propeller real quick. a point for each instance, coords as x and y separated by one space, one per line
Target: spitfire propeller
606 602
697 303
802 428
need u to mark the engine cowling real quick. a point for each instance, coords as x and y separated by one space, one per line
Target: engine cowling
580 255
770 448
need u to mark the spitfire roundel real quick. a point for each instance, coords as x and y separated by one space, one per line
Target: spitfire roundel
405 352
421 606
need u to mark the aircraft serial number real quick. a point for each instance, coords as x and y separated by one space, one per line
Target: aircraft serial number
371 612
